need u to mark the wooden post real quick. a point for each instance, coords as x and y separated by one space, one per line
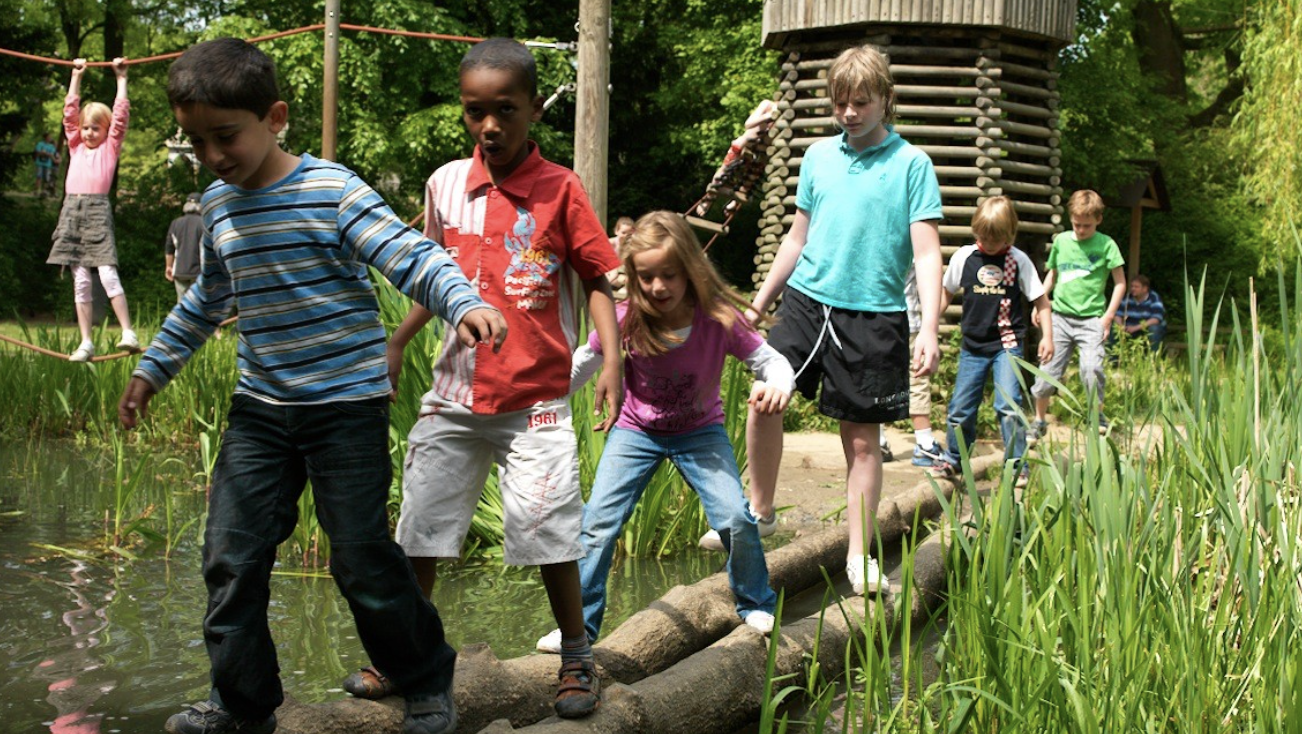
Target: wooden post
592 126
1136 223
330 85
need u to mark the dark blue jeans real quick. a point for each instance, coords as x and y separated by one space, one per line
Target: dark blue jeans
268 454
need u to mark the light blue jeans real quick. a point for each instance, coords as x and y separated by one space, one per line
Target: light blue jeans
969 388
705 459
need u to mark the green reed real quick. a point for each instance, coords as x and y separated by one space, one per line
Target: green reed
1154 588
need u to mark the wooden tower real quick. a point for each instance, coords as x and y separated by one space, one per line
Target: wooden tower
976 90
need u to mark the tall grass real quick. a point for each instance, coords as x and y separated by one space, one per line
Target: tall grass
1149 589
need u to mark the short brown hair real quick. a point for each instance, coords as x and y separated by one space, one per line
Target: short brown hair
995 221
1141 279
862 69
1086 203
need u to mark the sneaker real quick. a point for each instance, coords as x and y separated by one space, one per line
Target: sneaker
1023 477
207 717
767 527
761 622
430 713
929 456
82 353
579 692
550 642
1038 430
863 575
370 683
1104 426
129 341
887 455
943 470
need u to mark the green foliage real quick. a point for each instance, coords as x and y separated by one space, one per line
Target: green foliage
1266 125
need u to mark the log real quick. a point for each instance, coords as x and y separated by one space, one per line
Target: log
941 131
1014 146
1024 187
1028 110
961 191
1031 207
1027 71
915 90
915 110
1025 90
959 171
951 151
1021 128
1011 166
912 70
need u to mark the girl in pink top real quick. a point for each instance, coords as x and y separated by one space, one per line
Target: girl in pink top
679 324
84 237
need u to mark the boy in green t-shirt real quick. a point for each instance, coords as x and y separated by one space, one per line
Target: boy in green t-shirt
1078 265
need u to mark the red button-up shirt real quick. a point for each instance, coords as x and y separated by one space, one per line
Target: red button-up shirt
511 241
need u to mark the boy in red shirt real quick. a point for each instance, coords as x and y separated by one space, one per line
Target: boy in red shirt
520 227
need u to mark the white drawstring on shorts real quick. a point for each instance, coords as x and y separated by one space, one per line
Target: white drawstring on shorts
826 328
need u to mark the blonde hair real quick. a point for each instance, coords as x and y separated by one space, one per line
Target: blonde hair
995 221
96 112
1086 203
862 69
643 332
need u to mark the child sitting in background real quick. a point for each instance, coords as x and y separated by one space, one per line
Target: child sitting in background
679 324
83 238
995 278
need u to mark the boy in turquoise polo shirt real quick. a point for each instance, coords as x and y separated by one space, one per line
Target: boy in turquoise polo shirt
1079 264
868 207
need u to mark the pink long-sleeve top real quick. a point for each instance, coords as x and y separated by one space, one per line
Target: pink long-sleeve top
90 170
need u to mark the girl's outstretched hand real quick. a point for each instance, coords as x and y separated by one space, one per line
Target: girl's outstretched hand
134 402
609 396
120 67
78 66
767 400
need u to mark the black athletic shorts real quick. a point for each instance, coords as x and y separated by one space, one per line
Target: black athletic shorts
861 358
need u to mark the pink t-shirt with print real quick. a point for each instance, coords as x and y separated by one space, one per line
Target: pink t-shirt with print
678 391
90 170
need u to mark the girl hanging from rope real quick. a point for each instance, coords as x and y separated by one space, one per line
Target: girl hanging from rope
678 325
83 238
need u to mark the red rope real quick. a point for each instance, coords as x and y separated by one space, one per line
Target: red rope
259 39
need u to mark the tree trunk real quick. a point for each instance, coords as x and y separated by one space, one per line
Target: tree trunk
116 15
1161 46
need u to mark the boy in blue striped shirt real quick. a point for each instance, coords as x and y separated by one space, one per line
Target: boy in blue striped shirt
287 242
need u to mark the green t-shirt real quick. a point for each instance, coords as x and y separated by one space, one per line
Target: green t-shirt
1083 269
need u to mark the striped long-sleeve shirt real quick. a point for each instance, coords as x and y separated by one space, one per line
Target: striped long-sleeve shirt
292 258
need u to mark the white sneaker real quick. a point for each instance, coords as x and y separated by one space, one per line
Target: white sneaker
761 622
712 541
129 341
550 642
863 576
82 353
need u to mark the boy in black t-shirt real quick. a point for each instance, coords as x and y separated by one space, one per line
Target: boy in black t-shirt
995 278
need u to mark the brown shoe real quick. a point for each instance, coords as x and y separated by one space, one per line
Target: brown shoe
579 693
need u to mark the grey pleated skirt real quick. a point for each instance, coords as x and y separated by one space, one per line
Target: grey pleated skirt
84 235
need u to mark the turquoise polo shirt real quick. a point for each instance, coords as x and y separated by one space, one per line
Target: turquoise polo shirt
860 205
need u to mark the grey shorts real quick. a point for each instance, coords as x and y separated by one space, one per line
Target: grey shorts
449 453
84 235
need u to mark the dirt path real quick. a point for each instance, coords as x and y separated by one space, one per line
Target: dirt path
811 482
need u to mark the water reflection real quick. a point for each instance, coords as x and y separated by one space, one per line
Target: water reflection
63 668
102 645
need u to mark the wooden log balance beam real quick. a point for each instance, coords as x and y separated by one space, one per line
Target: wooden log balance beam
685 663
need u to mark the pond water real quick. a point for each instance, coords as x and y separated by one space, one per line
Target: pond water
91 643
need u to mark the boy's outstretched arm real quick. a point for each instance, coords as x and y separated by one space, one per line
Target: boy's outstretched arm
1114 303
134 402
610 386
1044 319
415 320
1049 277
927 263
784 263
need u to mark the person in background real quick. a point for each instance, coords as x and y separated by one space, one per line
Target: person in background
181 253
83 238
46 156
1142 313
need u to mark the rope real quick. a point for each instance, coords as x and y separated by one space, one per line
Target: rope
58 355
559 46
98 358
